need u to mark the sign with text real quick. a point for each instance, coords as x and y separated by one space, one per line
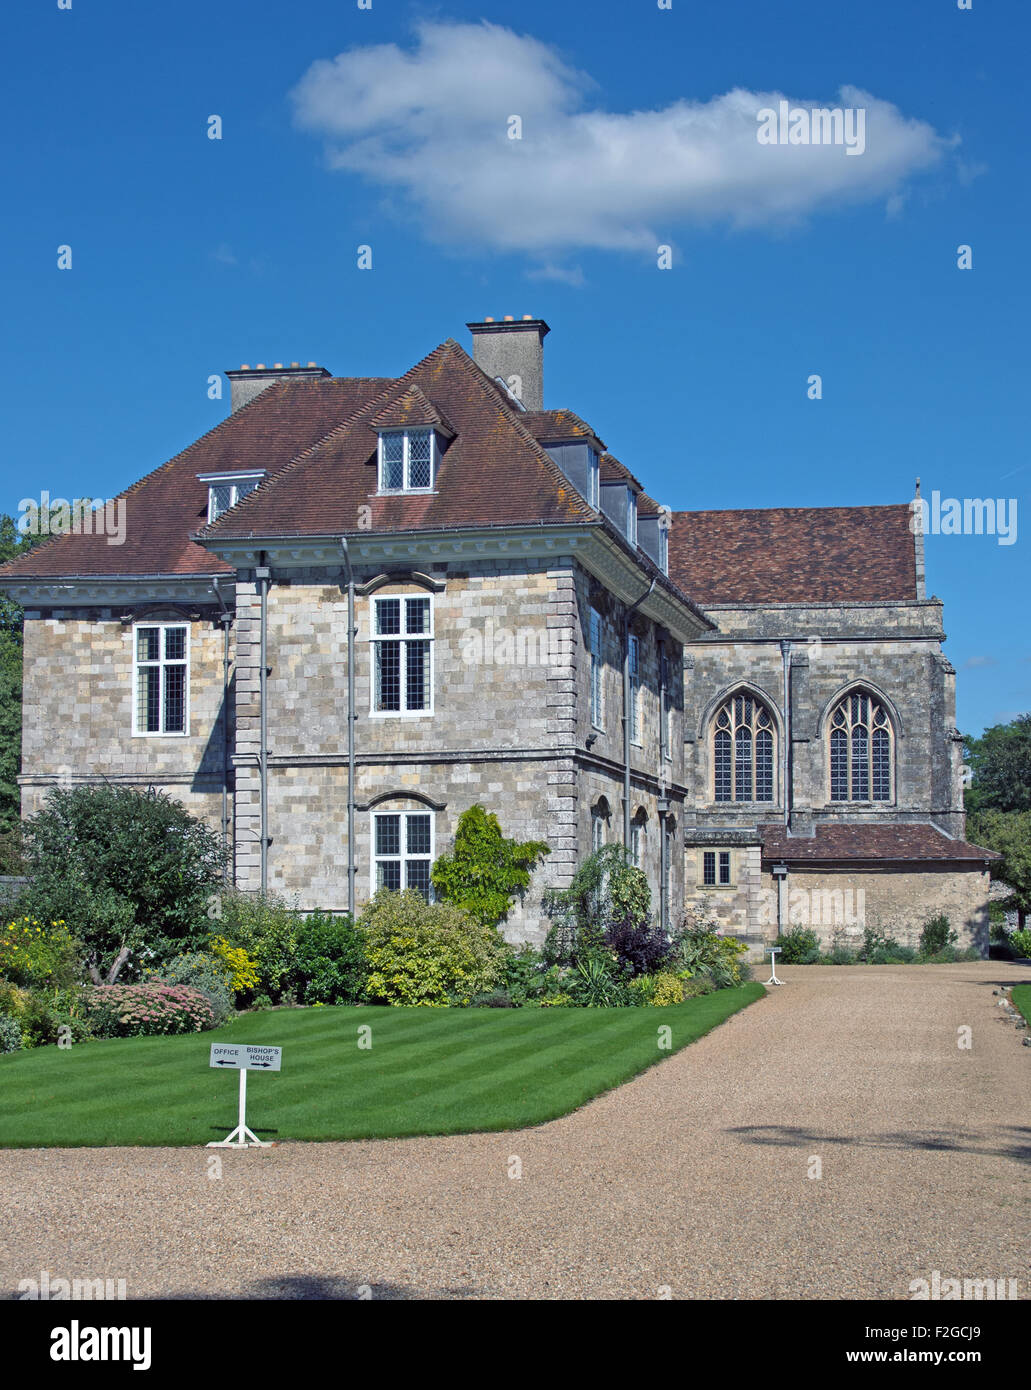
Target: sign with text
245 1057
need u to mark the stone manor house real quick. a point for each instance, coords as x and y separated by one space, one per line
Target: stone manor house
755 702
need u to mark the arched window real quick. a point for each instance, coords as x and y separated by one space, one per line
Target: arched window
860 750
742 751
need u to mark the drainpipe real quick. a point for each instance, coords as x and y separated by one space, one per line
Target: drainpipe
351 717
263 575
226 619
785 652
626 712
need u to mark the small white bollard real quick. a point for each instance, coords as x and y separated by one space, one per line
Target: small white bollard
774 953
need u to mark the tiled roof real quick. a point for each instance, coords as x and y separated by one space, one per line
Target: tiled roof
557 426
409 411
794 555
493 473
868 843
610 468
163 508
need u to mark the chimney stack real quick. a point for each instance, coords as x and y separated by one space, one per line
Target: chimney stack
513 349
247 382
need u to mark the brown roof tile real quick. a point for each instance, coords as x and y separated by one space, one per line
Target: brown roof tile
556 426
794 555
868 843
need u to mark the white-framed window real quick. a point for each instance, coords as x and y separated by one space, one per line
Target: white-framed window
637 844
407 460
664 549
161 678
597 829
226 489
631 516
402 654
402 851
634 712
594 479
597 711
716 868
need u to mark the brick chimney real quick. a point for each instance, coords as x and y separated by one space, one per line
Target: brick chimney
246 382
513 349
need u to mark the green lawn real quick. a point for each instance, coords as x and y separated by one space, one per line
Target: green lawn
429 1071
1021 996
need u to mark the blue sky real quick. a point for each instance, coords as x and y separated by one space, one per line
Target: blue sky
191 255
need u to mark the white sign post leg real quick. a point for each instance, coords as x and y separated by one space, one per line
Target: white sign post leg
241 1137
774 951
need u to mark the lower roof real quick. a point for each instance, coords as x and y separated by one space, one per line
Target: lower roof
915 843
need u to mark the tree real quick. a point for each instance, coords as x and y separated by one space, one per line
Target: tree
1000 761
484 871
1009 833
128 871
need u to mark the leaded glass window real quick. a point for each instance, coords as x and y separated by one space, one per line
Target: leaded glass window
743 751
860 750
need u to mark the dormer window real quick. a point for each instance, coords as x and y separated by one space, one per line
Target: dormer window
226 489
664 549
631 516
594 480
407 460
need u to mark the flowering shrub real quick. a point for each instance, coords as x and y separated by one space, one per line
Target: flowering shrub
200 971
126 1011
427 953
240 968
38 953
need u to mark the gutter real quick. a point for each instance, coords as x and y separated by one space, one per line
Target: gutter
785 652
351 717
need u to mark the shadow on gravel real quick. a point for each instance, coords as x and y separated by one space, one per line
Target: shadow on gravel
323 1288
1005 1141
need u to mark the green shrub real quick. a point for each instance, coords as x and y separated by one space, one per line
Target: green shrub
799 946
266 928
527 975
128 1011
35 953
123 869
876 942
427 953
1020 942
608 893
329 963
597 980
10 1034
484 871
700 948
669 989
202 972
697 985
935 935
497 999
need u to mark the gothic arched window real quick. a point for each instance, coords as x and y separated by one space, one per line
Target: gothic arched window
860 750
742 751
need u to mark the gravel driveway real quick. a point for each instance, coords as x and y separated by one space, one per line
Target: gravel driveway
691 1182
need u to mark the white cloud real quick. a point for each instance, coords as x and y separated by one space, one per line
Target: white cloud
974 661
432 123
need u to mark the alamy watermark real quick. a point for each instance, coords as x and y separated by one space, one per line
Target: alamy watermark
813 125
492 645
84 516
967 516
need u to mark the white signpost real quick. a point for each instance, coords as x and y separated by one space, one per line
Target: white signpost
774 952
243 1057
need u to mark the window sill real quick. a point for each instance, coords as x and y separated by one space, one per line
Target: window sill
400 714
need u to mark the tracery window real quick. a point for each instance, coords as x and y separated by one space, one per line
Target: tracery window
743 751
861 754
